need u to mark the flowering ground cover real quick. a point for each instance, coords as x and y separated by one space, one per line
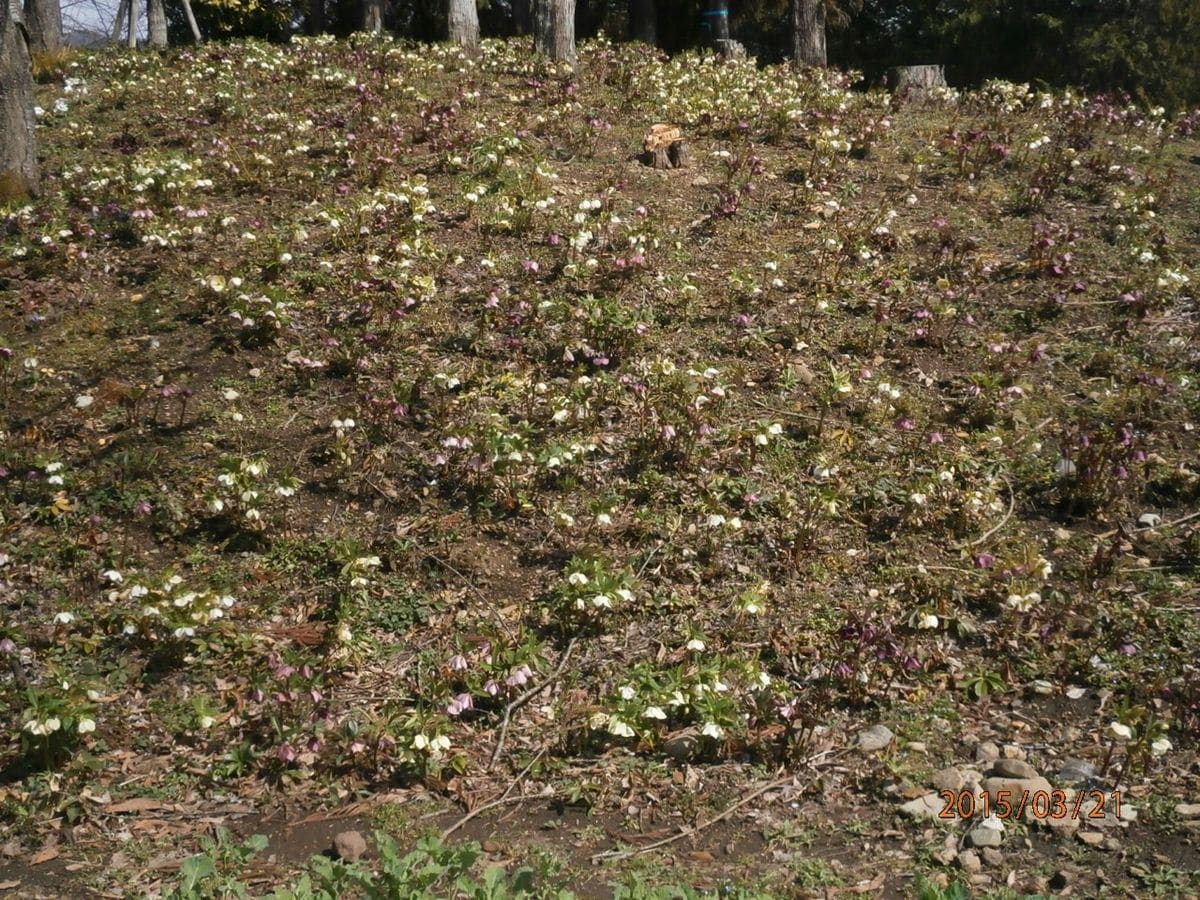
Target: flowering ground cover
385 449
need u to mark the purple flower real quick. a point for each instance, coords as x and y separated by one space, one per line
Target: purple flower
458 663
935 437
984 560
286 753
7 646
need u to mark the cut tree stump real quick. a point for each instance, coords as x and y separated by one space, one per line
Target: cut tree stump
915 78
665 148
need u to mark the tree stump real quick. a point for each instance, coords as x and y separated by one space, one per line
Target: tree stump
915 78
665 148
680 154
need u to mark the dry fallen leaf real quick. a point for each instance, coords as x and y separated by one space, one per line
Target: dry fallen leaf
135 804
43 856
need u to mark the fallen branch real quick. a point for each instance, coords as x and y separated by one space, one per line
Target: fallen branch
525 698
688 832
492 804
1012 502
1172 524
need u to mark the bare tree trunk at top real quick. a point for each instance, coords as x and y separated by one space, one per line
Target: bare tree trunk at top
43 18
314 22
462 24
119 22
372 16
131 34
643 21
156 23
554 29
808 32
18 155
522 17
191 19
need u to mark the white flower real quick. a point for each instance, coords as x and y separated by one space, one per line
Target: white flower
83 401
64 618
86 726
619 728
928 620
1160 746
439 743
602 601
114 576
695 644
626 692
654 712
1120 731
206 722
51 726
420 742
917 498
713 730
230 394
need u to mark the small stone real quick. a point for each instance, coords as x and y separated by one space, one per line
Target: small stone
699 181
682 746
1111 843
1017 788
980 880
1188 810
1059 880
947 856
986 752
1127 812
949 779
992 857
983 836
915 747
1012 751
1077 772
877 737
969 862
349 846
1041 687
1091 838
1149 520
1013 768
922 808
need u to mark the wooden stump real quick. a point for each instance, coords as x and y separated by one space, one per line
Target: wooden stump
665 148
915 78
680 154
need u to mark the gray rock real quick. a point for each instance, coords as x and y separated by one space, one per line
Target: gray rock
981 836
992 857
969 862
915 747
1013 768
682 745
1188 810
349 846
1077 772
986 752
949 779
877 737
1111 843
923 808
945 857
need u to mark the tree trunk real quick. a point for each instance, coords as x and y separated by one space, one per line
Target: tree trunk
191 18
372 16
314 22
132 24
643 21
119 22
808 32
44 21
462 24
554 29
522 17
18 156
715 22
156 23
915 77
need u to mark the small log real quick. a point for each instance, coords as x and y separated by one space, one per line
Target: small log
915 78
680 154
